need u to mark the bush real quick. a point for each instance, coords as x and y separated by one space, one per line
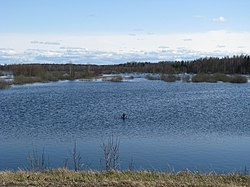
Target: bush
221 77
203 78
169 78
238 79
20 79
4 84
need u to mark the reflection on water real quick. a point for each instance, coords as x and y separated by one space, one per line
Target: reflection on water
170 126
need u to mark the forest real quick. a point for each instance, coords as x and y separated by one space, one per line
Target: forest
227 65
26 73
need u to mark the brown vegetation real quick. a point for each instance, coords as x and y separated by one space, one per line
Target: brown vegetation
219 77
238 79
219 67
4 84
169 78
203 78
113 78
120 178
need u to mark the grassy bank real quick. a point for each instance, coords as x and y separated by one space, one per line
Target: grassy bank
58 76
116 178
4 84
52 77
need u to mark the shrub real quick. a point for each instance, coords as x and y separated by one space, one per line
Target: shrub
238 79
203 78
113 79
221 77
111 153
169 78
20 79
4 84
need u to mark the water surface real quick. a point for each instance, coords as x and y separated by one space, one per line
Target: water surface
170 126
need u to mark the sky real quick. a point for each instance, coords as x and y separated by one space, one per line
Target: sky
120 31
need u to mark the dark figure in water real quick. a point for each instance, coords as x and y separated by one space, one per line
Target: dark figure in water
123 116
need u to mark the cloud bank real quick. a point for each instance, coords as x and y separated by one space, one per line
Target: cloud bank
114 49
45 43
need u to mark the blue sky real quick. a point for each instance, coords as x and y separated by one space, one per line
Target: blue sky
113 31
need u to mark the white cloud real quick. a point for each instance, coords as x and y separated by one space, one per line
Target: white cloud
150 33
132 34
109 49
241 47
163 47
220 19
220 46
106 57
45 43
187 40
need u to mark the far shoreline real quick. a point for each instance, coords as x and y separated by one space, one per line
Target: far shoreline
196 78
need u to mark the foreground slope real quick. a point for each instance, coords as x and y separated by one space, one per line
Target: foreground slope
126 178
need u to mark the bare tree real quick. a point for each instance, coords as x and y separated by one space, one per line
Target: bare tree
111 153
76 158
37 161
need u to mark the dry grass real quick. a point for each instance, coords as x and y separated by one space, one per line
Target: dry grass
4 84
169 78
116 178
219 77
113 78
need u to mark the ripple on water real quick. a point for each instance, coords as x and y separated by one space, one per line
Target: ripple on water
166 115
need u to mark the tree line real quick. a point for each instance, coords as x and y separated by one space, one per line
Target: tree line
209 65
